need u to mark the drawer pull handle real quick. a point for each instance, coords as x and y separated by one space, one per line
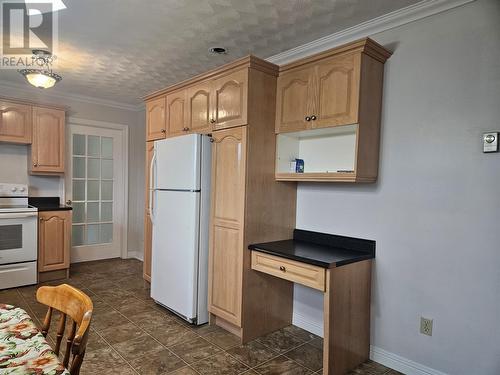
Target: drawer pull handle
282 268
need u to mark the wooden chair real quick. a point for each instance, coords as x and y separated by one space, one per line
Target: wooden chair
71 302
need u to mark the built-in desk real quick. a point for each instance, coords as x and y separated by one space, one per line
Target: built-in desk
341 268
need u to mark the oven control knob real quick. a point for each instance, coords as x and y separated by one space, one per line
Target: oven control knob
14 189
22 189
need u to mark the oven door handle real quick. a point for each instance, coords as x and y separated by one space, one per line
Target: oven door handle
19 215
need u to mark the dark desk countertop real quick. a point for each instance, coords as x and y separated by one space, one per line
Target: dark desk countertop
48 204
319 249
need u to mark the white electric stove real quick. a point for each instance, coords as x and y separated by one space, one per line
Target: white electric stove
18 237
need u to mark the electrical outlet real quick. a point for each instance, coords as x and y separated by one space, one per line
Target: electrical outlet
426 326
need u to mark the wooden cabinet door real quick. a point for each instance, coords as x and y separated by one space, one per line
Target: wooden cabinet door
48 144
54 240
176 113
155 119
337 91
148 229
198 108
227 221
15 123
293 100
230 97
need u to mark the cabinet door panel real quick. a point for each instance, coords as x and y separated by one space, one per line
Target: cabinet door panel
230 100
293 100
337 91
48 145
54 240
155 119
226 242
15 123
176 113
198 108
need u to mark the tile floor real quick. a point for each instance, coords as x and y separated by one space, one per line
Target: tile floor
130 334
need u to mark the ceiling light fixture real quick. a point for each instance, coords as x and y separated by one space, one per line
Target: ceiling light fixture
218 50
43 78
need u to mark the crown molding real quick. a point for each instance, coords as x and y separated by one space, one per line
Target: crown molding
65 96
388 21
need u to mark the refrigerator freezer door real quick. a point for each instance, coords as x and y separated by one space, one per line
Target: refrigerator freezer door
174 274
177 163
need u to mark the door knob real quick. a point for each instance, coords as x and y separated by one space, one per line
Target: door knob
313 117
35 164
308 118
185 129
68 202
282 268
163 131
212 121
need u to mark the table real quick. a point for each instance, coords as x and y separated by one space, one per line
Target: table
23 349
338 266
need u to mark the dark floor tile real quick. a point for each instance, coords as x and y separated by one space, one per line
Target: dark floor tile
170 334
281 340
308 356
101 361
132 305
158 363
300 333
253 354
205 329
370 368
220 364
184 371
317 342
121 333
136 348
95 342
195 350
107 319
282 366
223 339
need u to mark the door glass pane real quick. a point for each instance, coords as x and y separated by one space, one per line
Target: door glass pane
93 168
94 146
107 147
78 144
107 190
78 190
92 190
78 235
107 168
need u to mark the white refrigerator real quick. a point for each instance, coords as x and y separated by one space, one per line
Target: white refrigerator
179 205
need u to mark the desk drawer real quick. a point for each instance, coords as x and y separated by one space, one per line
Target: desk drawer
297 272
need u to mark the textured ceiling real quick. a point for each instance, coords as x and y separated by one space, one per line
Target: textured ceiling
121 50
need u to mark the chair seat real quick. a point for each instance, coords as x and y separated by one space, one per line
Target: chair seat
23 349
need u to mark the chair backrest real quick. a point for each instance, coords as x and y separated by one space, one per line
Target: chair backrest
71 302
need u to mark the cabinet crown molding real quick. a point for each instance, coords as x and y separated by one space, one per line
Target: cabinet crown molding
365 45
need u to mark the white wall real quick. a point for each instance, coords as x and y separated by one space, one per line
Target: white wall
435 210
13 158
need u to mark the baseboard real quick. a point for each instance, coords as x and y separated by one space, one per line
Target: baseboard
136 255
307 324
391 360
401 364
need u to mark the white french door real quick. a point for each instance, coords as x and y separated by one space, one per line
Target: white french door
95 187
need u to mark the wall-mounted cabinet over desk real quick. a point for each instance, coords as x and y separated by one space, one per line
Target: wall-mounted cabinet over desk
338 88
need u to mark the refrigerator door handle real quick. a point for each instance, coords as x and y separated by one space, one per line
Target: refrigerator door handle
151 185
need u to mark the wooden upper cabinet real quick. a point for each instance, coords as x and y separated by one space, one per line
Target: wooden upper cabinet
176 113
230 97
15 123
226 238
198 108
155 119
337 91
54 238
48 144
294 100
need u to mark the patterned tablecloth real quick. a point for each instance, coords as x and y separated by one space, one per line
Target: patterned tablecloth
23 349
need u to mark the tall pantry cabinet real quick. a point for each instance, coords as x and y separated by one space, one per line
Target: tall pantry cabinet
236 105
